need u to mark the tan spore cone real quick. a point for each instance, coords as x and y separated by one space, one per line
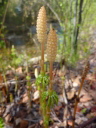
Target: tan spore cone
51 45
42 25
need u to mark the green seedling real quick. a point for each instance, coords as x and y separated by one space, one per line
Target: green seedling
42 81
1 123
84 110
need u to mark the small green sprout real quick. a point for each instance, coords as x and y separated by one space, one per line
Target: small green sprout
84 110
1 123
51 98
42 80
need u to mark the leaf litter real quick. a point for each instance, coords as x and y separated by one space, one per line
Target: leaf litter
14 103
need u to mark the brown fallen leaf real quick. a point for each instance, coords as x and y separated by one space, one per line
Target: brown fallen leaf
85 96
36 95
24 124
8 118
93 94
19 70
32 126
78 109
76 81
41 122
93 109
71 94
2 109
25 98
17 121
61 72
57 108
70 122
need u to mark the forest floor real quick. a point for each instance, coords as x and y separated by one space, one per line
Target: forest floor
15 106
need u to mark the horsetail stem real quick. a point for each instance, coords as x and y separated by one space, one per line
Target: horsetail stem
51 51
42 32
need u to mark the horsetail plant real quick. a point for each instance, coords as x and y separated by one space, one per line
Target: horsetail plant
42 80
84 74
48 97
51 95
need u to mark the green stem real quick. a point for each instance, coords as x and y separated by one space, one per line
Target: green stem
47 114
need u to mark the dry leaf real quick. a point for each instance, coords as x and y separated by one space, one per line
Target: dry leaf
19 70
36 95
17 121
71 94
24 124
25 98
76 81
85 96
70 122
8 118
36 72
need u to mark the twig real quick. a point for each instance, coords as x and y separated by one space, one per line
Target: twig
65 96
33 121
66 107
53 11
2 85
87 122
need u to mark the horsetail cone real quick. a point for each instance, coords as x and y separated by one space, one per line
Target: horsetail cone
52 45
42 25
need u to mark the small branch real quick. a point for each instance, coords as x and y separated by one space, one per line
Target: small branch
53 11
64 95
90 121
2 85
